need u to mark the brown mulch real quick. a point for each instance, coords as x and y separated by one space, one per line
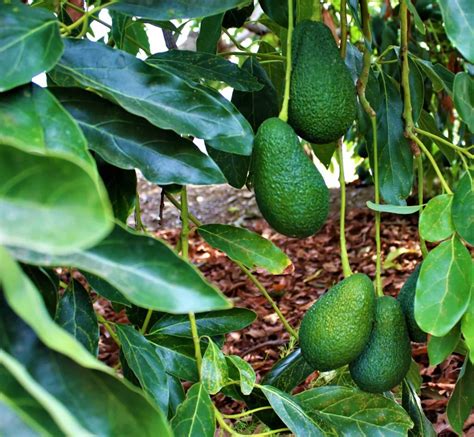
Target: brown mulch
316 266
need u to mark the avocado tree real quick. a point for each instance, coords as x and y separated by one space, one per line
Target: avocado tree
391 80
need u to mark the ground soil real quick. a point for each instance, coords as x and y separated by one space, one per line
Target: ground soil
316 266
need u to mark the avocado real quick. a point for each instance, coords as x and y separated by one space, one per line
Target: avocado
406 297
290 191
335 330
323 100
387 356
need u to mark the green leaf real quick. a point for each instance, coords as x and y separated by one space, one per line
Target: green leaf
393 209
128 34
26 301
439 348
458 17
209 33
34 121
305 10
76 315
463 208
28 411
462 400
291 412
177 355
208 324
446 76
412 404
145 364
395 159
213 368
172 9
177 395
353 412
16 384
47 283
196 66
435 221
246 247
235 167
246 373
130 142
427 123
467 322
150 92
195 416
105 289
121 186
428 69
275 70
464 97
144 269
418 21
443 287
324 152
417 86
30 43
277 10
101 404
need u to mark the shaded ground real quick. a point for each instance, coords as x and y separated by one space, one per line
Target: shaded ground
316 266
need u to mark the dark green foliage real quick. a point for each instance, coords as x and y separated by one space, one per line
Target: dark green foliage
289 190
322 94
237 17
406 298
387 356
337 327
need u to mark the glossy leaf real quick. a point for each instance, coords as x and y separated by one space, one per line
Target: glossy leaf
196 66
128 34
177 395
195 416
76 315
464 96
209 33
30 413
17 383
427 123
150 92
177 355
420 26
462 400
99 403
393 209
245 246
395 158
467 322
435 220
47 283
246 373
429 70
213 368
144 269
277 10
352 412
33 120
106 290
235 167
145 364
443 287
208 324
30 43
26 301
130 142
291 412
275 70
422 427
172 9
463 209
324 152
439 348
458 17
417 88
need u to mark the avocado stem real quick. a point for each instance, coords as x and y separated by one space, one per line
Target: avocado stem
286 96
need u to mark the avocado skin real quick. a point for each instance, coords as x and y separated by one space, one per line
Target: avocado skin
406 297
323 100
290 191
335 330
387 356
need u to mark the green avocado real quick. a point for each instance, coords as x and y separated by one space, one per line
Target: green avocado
406 297
337 327
290 191
323 100
387 356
